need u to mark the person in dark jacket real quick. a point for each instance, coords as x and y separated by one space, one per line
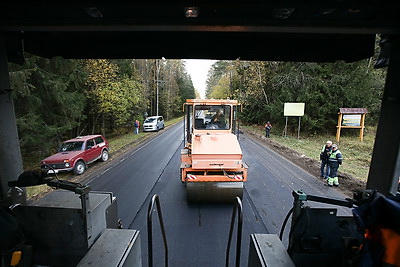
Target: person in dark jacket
335 160
324 156
136 124
268 127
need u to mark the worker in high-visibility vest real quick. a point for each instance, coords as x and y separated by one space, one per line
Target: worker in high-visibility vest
335 160
324 157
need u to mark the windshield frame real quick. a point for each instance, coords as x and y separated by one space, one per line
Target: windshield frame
212 117
150 120
72 146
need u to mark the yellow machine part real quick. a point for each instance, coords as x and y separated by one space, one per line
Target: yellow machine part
222 192
16 258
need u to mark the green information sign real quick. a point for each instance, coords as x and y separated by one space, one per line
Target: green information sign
351 120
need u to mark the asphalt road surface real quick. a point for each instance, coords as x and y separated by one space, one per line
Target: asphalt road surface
197 234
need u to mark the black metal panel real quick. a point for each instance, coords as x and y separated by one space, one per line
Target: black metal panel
257 30
202 45
385 165
320 238
267 250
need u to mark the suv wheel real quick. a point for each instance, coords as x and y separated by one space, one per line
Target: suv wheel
79 168
104 155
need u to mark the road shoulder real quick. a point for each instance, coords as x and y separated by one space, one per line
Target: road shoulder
347 183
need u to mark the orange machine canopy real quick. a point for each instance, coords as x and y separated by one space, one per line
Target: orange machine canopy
212 101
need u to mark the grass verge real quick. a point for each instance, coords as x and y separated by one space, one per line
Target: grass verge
356 154
117 143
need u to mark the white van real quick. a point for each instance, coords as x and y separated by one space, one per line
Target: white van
153 123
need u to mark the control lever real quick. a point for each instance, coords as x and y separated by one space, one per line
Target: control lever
33 178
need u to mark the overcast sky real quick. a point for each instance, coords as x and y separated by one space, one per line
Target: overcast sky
198 70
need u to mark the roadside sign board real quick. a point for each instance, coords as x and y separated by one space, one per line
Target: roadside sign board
293 109
351 120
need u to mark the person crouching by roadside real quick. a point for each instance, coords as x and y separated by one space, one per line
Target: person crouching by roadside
324 157
335 160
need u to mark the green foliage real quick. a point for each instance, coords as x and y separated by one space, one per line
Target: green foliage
56 99
217 71
221 89
264 87
174 85
48 101
118 99
185 85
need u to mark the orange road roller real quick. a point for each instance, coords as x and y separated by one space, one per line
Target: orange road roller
212 166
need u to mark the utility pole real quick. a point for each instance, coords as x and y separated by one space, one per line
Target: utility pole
158 66
157 75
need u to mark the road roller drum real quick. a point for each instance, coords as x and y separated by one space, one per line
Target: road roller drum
222 192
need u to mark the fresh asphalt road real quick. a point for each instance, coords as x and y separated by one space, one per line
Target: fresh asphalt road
197 234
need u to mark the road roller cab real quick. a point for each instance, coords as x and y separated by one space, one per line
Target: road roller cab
212 166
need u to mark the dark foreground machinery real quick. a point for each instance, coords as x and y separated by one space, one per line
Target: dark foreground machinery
312 31
320 237
74 226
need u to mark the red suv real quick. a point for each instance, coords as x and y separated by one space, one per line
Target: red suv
75 154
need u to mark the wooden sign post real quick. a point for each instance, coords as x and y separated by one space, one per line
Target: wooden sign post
351 118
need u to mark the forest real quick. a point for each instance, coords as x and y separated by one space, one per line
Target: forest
264 87
57 99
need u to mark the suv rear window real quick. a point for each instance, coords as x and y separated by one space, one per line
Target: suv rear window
89 143
98 140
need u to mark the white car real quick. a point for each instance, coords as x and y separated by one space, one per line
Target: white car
154 123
